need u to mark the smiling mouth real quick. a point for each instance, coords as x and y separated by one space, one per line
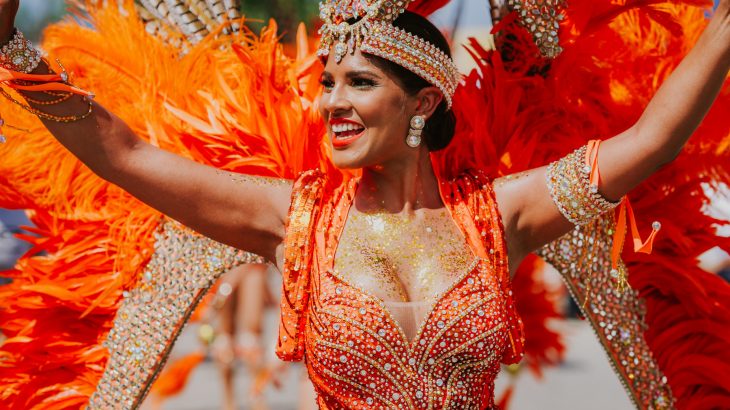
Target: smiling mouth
347 130
346 133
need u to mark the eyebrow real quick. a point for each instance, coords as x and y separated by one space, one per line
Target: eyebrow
358 73
354 73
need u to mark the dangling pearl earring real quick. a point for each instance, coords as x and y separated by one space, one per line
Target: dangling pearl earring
418 122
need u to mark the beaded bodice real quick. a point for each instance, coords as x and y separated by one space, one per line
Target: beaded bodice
356 352
358 357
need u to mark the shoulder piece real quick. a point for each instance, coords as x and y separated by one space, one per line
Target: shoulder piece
471 199
182 269
172 21
298 255
583 258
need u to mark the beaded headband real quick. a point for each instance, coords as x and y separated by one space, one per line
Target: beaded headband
373 32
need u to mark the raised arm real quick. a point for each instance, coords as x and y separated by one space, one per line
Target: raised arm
531 217
245 212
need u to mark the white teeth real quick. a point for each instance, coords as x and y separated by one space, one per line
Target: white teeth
345 127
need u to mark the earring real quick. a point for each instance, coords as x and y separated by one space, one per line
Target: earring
418 122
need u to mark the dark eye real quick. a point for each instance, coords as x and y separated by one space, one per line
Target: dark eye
326 83
362 82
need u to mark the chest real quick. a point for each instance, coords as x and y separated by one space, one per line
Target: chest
402 259
357 352
356 343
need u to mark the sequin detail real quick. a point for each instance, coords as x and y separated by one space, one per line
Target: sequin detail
583 258
184 266
542 19
568 181
356 354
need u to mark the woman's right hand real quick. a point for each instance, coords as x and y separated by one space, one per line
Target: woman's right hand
8 10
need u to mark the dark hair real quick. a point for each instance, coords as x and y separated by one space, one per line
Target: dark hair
440 126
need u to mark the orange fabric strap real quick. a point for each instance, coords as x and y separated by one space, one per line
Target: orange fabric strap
624 210
592 161
46 82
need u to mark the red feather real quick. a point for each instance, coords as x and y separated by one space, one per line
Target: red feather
426 7
532 111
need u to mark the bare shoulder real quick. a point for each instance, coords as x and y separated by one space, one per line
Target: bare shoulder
267 195
529 214
513 192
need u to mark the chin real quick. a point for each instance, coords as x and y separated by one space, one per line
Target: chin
345 160
353 157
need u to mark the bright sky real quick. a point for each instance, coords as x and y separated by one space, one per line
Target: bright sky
474 21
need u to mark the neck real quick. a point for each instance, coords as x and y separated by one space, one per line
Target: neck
403 186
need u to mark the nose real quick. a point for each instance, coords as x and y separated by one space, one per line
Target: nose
336 100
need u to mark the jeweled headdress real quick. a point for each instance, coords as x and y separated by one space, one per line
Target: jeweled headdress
368 25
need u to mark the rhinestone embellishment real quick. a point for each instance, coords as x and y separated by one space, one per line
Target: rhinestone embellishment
184 266
368 25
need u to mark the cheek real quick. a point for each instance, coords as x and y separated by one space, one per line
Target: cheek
383 114
321 103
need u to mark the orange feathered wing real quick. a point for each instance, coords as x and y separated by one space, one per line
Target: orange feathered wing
249 108
237 103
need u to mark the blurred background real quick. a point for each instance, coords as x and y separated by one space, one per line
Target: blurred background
36 14
583 381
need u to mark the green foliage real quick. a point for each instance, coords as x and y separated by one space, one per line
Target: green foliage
287 13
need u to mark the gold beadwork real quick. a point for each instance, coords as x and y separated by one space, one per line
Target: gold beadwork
568 181
19 54
194 18
542 19
50 117
184 266
61 98
415 54
583 258
368 25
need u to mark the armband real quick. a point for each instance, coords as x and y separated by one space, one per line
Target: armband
569 183
19 54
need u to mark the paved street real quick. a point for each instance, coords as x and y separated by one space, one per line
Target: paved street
584 381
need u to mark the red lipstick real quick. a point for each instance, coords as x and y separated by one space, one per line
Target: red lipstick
344 132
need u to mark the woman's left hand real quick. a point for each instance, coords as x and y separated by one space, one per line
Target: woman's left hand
721 23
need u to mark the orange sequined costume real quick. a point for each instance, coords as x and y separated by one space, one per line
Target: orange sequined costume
241 104
356 353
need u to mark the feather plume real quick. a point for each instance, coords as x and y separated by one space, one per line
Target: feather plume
175 376
91 239
536 110
240 104
426 7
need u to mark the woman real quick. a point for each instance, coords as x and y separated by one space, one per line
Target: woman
372 239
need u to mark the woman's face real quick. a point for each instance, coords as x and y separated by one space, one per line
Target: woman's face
367 113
